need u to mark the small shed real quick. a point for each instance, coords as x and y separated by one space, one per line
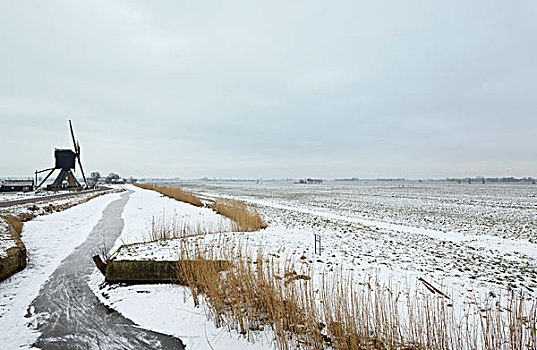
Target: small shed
16 185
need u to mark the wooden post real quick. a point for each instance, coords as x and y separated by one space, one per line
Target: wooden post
317 243
100 264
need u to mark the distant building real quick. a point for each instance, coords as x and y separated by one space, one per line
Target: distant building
16 185
310 181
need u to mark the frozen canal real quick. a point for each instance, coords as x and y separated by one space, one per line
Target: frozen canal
65 314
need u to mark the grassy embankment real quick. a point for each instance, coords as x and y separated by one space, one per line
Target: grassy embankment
173 192
244 218
15 222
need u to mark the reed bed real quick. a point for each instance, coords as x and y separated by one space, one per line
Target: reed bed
244 219
173 192
340 312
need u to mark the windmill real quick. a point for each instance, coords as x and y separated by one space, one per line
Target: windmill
65 162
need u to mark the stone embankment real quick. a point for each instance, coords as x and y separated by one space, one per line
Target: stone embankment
14 258
146 270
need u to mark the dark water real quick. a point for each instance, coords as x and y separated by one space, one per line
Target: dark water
69 314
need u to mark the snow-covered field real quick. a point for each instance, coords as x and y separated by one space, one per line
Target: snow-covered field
472 238
472 241
11 196
145 207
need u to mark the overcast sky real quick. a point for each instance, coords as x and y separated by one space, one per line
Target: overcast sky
272 89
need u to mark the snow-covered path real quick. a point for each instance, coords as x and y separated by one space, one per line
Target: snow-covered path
49 305
48 239
68 315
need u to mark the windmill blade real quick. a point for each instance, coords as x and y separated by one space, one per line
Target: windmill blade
80 163
73 136
77 152
82 170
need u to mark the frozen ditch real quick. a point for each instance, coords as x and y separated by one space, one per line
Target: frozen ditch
50 303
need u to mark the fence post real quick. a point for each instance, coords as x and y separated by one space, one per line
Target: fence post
317 243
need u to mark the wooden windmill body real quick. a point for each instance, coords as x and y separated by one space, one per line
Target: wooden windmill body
65 162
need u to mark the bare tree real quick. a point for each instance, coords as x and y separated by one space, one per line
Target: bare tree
95 176
112 177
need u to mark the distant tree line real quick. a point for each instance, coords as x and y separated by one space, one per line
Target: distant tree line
492 179
112 178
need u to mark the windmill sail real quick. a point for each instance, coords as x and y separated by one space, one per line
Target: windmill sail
80 163
77 151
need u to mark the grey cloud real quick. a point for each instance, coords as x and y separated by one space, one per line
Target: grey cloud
272 89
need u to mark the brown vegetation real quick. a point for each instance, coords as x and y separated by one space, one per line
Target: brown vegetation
244 219
173 192
163 228
342 313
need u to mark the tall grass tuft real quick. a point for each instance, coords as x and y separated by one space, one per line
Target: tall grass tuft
244 219
252 295
165 227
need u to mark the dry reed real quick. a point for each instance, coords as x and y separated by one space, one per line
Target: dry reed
343 313
174 192
244 219
165 227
